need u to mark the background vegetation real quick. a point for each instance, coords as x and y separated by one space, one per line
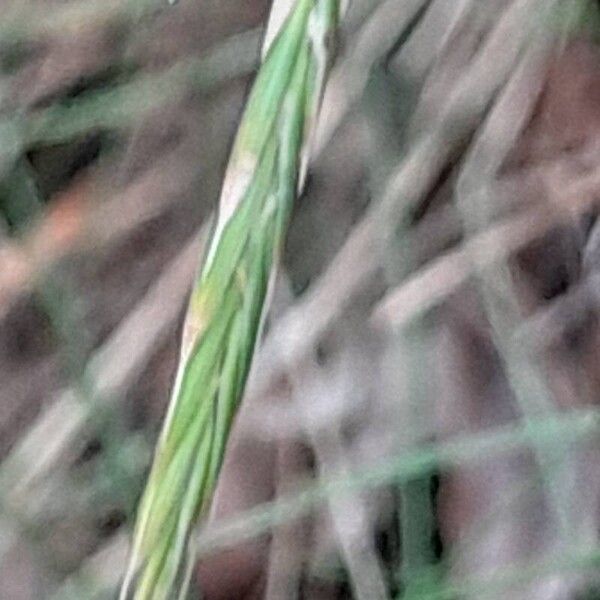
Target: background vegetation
421 416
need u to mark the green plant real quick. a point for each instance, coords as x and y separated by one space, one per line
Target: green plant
230 296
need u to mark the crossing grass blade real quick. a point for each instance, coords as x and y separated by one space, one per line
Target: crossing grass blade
229 298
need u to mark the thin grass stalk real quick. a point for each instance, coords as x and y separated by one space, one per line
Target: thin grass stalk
463 451
408 347
475 201
229 298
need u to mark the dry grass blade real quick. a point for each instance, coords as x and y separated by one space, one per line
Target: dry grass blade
527 381
433 283
111 369
17 23
463 450
363 252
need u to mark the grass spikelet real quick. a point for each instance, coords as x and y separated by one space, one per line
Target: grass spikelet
229 298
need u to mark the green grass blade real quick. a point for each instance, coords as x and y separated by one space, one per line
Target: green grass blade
229 299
